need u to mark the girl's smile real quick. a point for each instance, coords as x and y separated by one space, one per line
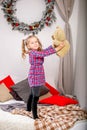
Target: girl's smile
33 44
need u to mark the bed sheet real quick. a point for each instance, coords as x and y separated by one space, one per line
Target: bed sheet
80 125
11 101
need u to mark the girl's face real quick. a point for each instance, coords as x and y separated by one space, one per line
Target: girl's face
33 43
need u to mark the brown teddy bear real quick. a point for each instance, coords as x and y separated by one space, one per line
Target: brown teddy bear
59 38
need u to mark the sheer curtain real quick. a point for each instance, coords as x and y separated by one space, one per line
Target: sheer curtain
65 84
80 76
1 1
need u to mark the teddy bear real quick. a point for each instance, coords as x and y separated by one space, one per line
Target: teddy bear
59 38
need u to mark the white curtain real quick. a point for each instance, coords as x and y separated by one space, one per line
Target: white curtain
65 83
1 1
80 76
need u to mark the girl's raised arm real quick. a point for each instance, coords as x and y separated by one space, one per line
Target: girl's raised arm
45 52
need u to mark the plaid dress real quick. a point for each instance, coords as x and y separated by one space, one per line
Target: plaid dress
36 76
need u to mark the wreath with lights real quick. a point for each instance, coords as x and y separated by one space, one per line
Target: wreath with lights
8 7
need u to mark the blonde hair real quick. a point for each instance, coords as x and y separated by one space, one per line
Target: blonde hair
24 45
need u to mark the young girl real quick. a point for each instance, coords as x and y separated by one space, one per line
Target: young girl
36 77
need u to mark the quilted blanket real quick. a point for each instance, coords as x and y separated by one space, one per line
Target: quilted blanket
55 117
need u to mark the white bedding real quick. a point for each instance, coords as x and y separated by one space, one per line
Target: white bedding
9 121
80 125
15 122
11 101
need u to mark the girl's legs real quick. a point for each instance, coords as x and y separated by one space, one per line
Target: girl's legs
34 107
29 102
36 94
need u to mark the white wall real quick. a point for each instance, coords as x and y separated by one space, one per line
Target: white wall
11 62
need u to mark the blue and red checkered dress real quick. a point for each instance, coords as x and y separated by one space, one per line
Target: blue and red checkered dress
36 75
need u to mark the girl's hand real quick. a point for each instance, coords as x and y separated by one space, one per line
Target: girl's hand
60 47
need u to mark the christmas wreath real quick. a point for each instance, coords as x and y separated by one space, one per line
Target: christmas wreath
8 7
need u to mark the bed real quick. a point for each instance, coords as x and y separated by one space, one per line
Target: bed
56 112
21 121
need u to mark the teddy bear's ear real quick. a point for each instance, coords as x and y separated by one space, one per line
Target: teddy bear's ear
53 37
57 27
